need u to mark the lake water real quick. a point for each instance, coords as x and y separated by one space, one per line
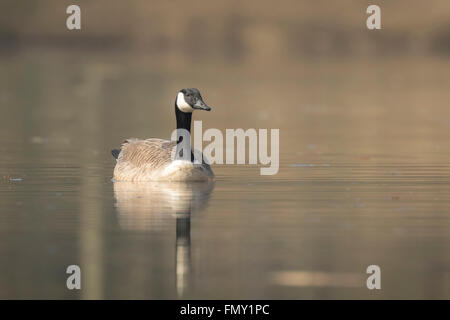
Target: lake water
364 179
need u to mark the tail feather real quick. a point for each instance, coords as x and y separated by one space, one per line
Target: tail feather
115 153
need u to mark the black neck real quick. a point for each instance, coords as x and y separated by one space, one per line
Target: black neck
183 122
183 119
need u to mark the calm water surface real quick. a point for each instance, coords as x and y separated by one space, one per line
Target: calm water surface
364 179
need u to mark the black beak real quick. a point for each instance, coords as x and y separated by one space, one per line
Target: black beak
200 105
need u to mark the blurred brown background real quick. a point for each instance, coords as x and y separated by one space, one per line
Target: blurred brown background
296 63
364 123
232 31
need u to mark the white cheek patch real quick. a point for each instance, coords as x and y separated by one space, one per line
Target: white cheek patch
182 104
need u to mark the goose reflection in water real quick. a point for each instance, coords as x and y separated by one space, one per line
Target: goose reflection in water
146 206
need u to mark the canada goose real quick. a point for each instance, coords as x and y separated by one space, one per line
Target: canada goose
158 159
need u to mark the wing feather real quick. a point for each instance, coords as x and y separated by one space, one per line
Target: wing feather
153 153
152 159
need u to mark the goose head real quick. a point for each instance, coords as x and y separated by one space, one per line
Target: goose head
189 100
